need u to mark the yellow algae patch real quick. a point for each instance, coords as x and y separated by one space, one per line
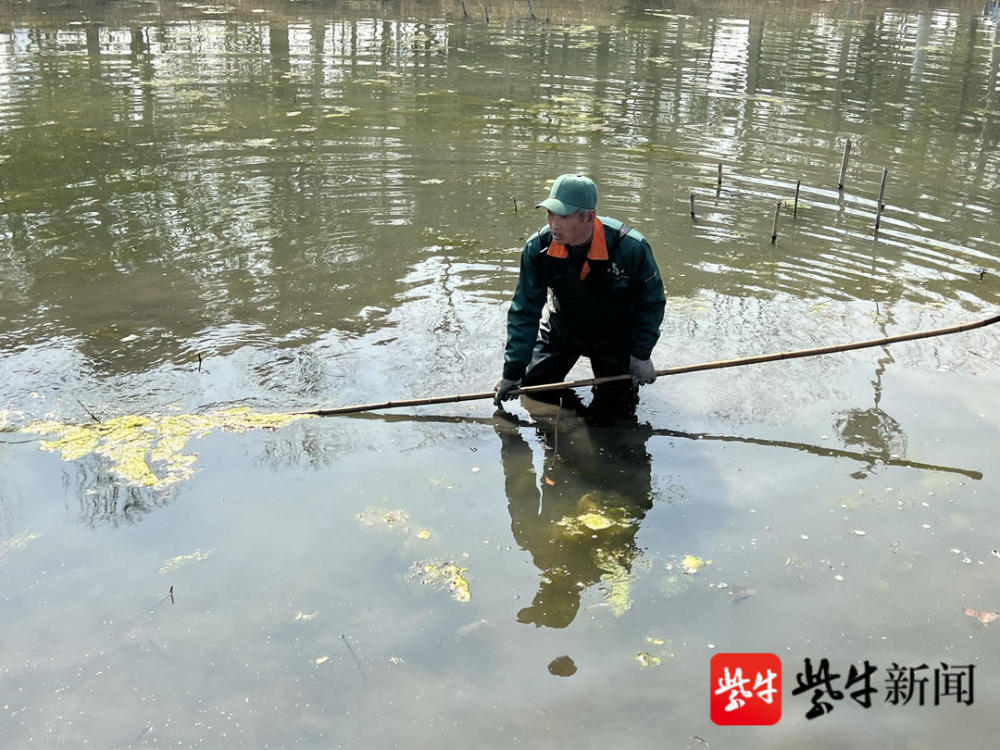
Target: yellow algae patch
148 450
655 656
391 519
597 511
692 564
595 520
647 660
447 576
175 562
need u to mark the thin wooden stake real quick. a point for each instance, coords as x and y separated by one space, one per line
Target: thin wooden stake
843 166
718 365
881 195
692 204
514 198
718 183
555 441
531 9
465 13
94 416
486 11
795 206
774 227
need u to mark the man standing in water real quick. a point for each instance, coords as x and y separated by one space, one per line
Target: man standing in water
600 289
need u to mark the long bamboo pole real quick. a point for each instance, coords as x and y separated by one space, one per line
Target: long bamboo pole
717 365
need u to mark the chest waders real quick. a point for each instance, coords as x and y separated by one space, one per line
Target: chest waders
590 314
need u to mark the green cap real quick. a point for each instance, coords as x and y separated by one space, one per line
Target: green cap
570 192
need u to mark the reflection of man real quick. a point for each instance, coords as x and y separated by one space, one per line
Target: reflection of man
589 287
579 520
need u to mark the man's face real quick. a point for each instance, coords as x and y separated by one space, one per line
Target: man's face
573 229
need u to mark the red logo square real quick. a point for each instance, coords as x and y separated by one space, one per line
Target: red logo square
745 689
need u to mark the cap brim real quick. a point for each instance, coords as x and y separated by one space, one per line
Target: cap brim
556 206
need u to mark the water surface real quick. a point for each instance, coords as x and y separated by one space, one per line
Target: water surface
282 207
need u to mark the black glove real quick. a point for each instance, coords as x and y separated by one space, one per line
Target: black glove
503 390
641 370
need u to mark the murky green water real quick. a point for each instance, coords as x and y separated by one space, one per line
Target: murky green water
285 207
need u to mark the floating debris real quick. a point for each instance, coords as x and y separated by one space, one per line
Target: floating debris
322 659
303 617
135 444
655 656
175 562
647 660
593 518
391 519
692 564
585 522
982 615
562 666
447 576
617 583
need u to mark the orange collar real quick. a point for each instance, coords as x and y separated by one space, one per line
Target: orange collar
598 249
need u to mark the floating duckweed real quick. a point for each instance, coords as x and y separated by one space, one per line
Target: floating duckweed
647 660
594 520
132 442
692 564
617 583
391 519
447 576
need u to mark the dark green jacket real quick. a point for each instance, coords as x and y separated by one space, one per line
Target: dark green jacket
619 306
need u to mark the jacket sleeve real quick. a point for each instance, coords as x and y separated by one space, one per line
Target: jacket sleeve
525 312
649 301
